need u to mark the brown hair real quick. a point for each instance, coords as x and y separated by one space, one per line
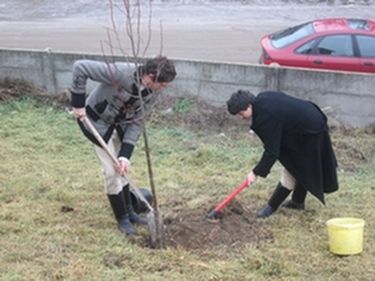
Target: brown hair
162 68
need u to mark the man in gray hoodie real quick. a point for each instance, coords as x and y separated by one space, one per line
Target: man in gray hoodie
118 108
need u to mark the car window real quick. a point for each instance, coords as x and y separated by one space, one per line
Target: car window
290 35
306 48
336 45
358 24
366 45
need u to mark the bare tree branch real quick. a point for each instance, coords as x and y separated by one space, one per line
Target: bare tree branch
161 37
131 10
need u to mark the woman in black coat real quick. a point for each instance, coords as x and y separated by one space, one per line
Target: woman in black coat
294 132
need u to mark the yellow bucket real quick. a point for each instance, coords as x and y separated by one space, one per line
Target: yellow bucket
345 235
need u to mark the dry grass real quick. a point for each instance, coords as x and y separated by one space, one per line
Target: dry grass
56 224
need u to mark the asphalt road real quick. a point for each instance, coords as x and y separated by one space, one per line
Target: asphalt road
221 33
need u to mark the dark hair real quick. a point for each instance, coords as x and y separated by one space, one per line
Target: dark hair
162 69
239 101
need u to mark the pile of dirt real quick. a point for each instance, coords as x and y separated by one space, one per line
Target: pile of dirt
12 89
16 89
193 231
195 114
236 226
353 147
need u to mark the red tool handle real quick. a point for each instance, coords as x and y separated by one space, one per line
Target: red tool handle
231 196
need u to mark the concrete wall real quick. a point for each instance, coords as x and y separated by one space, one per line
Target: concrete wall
351 97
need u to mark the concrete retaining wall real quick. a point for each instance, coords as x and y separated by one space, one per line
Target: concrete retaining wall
350 96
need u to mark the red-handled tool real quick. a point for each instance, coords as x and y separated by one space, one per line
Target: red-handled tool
213 214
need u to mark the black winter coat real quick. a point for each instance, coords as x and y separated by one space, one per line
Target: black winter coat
295 132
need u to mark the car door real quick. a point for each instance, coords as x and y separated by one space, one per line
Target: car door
334 52
366 49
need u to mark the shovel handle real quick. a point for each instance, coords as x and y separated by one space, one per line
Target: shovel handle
228 199
86 121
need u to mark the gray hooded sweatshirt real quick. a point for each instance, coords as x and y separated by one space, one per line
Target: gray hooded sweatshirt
114 103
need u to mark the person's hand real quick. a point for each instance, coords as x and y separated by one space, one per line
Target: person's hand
79 113
123 166
251 177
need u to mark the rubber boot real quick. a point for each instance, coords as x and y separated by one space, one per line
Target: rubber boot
278 196
298 198
121 213
133 216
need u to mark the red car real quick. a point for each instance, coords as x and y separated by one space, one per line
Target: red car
338 44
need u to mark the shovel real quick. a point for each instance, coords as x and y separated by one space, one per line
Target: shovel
216 211
154 227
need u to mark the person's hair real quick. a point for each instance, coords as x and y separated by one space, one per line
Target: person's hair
162 68
240 101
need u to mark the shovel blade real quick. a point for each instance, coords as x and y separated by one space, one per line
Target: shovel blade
156 229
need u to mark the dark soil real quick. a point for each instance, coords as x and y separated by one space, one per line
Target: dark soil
225 235
235 227
191 229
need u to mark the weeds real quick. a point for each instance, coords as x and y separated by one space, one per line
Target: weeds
47 167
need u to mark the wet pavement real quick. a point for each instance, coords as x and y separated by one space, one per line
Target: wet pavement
225 32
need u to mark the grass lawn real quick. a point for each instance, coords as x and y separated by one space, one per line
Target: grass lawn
56 222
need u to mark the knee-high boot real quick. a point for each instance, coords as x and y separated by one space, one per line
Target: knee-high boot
121 213
278 196
133 216
298 198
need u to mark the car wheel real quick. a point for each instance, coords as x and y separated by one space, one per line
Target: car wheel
274 64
